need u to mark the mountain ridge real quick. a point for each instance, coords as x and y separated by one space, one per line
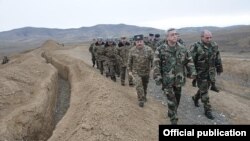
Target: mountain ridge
32 37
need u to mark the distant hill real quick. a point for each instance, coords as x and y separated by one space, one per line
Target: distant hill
20 39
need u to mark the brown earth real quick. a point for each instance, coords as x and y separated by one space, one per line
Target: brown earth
99 108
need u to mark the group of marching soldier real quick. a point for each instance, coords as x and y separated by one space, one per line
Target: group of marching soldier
169 58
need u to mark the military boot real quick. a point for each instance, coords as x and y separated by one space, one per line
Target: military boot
174 122
141 103
196 101
209 115
214 88
131 84
123 83
194 83
113 78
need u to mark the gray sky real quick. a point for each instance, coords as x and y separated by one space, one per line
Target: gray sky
161 14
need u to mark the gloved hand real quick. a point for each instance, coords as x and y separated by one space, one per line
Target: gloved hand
158 80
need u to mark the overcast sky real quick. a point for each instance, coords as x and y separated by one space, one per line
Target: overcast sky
161 14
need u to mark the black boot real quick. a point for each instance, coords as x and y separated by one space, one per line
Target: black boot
141 103
214 88
194 83
113 78
174 122
196 101
122 83
209 115
131 84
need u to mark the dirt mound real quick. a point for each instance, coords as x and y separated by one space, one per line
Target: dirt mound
27 87
101 109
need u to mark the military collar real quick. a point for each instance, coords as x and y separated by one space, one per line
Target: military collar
170 49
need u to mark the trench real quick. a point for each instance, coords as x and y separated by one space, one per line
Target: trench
63 99
63 91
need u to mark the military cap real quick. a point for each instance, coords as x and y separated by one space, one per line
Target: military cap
110 39
138 37
99 39
151 34
123 37
157 35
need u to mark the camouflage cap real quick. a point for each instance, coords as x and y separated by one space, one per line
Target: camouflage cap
151 34
157 35
138 37
109 39
99 38
123 37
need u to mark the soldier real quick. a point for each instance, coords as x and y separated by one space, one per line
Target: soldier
99 53
123 50
93 58
155 42
150 40
180 40
111 56
5 60
207 62
170 62
139 65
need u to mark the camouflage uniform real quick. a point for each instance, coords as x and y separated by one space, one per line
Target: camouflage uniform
170 65
111 56
93 58
5 60
139 63
154 43
207 61
99 53
123 52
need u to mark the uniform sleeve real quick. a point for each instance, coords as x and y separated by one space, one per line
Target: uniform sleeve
193 52
218 62
190 64
151 57
91 48
130 61
157 65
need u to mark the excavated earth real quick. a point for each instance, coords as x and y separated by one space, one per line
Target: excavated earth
53 93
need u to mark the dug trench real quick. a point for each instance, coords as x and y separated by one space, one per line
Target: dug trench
34 96
98 108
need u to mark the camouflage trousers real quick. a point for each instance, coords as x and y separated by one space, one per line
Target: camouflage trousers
100 65
173 99
141 85
109 69
202 93
93 58
123 76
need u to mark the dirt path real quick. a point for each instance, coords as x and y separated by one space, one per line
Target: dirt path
221 102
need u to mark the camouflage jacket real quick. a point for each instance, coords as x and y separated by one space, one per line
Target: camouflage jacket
91 48
154 44
99 51
207 60
123 51
110 53
139 60
171 63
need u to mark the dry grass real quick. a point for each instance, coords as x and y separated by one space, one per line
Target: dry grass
236 77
